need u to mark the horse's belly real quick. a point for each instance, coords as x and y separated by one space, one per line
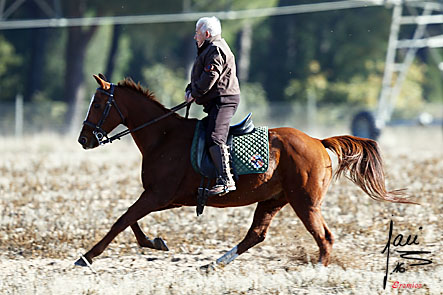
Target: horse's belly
250 189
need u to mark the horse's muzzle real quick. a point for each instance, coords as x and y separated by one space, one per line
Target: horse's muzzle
86 143
83 140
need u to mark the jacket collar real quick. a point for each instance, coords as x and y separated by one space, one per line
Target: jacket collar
207 42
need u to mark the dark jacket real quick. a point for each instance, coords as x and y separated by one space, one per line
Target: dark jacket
214 72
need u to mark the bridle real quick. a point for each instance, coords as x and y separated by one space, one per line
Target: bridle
100 134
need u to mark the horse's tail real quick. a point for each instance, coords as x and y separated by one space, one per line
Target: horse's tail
361 157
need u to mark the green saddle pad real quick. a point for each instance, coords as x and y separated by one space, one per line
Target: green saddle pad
249 152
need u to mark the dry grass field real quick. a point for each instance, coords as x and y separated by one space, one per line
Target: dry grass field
57 200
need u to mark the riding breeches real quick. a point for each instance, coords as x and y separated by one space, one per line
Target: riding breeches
219 118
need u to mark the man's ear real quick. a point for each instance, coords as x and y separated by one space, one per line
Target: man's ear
207 35
103 84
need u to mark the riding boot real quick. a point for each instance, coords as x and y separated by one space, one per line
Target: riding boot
225 181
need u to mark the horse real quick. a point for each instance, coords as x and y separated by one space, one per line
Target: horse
299 170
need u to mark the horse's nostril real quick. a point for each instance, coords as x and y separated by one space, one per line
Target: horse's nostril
82 140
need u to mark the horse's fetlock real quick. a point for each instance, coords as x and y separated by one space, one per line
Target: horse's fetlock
261 238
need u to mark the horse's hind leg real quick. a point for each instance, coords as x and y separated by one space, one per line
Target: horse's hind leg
263 215
307 207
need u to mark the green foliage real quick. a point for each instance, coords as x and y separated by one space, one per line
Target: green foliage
411 100
96 55
433 83
168 85
10 62
54 70
361 90
253 99
45 112
334 57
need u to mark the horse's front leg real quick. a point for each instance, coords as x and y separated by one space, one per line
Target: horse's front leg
144 241
139 209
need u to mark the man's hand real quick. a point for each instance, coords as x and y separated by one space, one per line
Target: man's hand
188 97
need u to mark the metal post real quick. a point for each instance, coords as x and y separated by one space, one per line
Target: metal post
12 8
245 51
2 8
19 115
382 116
419 32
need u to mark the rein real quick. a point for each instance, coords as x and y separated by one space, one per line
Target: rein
100 133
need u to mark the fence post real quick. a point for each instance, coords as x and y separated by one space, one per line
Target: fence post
19 115
311 110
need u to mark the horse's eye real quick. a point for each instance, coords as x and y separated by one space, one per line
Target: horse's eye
96 105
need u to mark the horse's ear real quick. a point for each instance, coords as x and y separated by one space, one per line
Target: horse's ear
103 77
103 84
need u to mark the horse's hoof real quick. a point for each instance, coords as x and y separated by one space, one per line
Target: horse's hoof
160 244
208 268
80 262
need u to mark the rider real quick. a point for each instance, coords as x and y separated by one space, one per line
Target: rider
214 85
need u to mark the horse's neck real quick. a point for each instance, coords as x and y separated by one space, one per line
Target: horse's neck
142 110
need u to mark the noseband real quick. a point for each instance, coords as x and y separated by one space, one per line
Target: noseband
98 132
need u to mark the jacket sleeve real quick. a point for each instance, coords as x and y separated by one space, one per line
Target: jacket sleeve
213 66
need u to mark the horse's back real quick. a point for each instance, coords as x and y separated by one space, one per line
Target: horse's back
294 140
300 155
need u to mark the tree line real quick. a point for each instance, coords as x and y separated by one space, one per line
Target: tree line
338 56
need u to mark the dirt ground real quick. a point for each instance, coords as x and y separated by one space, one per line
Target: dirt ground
57 200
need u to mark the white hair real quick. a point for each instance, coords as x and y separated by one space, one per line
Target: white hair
210 24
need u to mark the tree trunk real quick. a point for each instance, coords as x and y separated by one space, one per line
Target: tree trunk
39 40
78 39
77 43
281 68
37 63
110 65
245 52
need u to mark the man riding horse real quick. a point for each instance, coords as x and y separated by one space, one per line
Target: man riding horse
214 85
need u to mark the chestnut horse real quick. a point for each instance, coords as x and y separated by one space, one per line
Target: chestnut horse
299 172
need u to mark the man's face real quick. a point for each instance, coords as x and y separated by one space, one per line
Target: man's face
200 37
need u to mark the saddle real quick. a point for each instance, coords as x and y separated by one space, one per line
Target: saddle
200 156
249 153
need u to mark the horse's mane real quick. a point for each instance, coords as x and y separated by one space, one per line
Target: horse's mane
128 82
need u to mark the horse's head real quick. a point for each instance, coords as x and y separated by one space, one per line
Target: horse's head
103 115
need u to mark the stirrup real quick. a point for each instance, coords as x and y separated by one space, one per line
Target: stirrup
220 189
